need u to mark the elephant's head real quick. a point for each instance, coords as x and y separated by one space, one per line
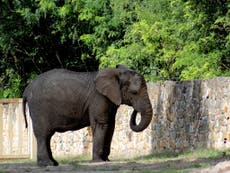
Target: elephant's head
124 86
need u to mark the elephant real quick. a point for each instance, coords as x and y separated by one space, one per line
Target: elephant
61 100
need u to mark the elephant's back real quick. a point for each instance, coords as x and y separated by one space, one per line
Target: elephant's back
62 74
59 82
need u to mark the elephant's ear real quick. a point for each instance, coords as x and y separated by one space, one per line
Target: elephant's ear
107 84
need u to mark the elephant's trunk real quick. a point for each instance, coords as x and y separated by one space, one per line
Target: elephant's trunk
146 117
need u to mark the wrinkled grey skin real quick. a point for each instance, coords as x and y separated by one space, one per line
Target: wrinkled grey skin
61 100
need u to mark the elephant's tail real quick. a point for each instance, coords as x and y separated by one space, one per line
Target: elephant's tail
24 100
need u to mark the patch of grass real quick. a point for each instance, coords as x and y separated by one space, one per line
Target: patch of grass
183 162
190 155
16 161
169 170
158 155
74 160
3 171
154 157
205 153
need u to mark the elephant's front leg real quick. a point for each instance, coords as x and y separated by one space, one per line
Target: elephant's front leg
99 134
108 139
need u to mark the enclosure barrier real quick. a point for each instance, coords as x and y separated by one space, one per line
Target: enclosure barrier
187 115
15 140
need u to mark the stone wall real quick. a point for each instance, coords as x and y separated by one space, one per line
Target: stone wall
187 115
192 114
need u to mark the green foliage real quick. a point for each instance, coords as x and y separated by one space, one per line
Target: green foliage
36 36
12 89
175 39
163 40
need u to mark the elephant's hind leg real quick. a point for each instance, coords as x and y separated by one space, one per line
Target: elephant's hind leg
44 154
55 163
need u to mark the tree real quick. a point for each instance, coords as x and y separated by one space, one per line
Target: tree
176 40
163 40
36 36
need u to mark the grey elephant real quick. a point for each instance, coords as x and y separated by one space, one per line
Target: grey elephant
60 100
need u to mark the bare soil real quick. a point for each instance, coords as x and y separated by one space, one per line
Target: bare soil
220 165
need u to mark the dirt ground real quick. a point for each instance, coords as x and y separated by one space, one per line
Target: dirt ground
215 166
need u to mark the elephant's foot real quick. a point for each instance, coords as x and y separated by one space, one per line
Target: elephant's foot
98 160
103 159
43 163
106 158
